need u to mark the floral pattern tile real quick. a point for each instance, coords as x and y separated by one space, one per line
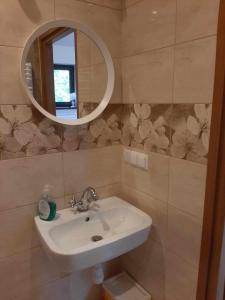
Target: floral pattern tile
179 130
146 127
190 131
24 133
104 131
86 108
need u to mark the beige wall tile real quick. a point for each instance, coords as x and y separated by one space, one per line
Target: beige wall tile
106 22
130 266
117 92
109 190
187 186
148 77
153 182
112 267
103 192
22 180
148 25
79 284
87 51
17 230
20 18
184 235
181 278
194 71
196 19
92 73
24 272
156 209
56 290
152 278
95 167
11 91
97 74
147 265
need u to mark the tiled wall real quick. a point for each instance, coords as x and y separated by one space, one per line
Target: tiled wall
168 64
35 152
164 53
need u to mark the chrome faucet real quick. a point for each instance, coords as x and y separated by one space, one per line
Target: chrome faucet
88 196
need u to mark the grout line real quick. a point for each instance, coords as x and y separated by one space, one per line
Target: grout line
63 174
30 204
144 193
20 252
97 188
199 219
170 128
169 46
163 202
57 277
133 4
125 103
12 46
160 103
26 205
99 5
139 53
54 9
174 62
192 265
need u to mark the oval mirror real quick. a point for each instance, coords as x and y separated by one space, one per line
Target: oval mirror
67 72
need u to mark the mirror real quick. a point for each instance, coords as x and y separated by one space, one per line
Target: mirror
67 72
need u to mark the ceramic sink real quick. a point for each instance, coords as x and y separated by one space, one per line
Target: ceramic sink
109 229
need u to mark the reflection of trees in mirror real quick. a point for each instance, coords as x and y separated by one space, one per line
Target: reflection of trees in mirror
64 90
62 86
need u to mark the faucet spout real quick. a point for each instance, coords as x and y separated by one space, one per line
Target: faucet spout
88 196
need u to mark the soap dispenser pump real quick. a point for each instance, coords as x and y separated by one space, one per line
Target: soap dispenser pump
46 205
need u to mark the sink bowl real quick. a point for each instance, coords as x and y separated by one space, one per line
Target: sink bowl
77 241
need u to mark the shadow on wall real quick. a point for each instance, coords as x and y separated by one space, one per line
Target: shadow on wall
31 9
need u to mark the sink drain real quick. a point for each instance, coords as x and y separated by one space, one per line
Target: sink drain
96 238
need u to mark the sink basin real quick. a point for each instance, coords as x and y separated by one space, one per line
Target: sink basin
110 228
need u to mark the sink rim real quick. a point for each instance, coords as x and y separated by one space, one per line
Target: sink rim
66 215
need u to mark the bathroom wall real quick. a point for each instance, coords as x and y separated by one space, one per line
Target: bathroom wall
168 71
34 152
164 54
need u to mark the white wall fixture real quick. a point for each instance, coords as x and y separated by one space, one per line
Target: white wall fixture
77 241
137 159
98 42
123 287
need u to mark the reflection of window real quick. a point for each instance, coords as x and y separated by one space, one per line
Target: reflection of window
64 86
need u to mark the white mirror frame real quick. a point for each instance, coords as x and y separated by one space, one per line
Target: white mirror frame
105 52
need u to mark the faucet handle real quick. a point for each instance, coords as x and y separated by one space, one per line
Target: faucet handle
73 202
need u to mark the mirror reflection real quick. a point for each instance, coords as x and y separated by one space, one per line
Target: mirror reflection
66 73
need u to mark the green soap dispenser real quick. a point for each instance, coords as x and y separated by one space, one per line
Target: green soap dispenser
46 205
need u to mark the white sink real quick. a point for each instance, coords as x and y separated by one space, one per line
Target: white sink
68 238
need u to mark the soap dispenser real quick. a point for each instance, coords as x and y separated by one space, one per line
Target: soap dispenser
46 205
